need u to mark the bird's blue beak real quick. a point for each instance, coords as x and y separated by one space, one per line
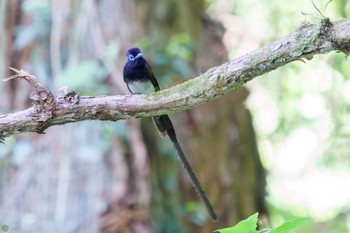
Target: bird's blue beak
139 55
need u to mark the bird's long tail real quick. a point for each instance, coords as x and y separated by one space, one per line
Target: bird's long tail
165 126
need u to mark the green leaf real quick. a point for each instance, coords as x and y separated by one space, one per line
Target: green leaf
288 226
245 226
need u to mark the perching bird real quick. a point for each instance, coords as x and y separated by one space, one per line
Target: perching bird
140 79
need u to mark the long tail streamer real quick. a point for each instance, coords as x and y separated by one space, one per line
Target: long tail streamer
167 124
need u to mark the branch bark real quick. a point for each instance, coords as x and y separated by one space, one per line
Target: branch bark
308 40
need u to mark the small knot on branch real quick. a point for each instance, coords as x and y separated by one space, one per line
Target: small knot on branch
326 26
68 96
41 95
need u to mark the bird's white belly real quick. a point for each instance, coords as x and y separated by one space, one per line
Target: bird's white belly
138 87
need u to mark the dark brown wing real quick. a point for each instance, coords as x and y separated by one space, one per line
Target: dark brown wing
157 120
161 129
152 77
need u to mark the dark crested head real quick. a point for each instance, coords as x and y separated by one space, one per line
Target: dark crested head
133 54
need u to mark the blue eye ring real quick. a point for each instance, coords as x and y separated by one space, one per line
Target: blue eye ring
131 57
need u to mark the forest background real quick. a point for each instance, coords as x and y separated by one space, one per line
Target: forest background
278 146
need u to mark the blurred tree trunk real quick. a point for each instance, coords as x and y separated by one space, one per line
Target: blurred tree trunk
13 20
218 137
79 172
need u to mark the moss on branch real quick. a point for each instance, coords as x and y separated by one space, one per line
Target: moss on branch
48 110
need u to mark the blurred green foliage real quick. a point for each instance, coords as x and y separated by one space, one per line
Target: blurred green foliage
39 28
173 61
301 112
86 78
309 103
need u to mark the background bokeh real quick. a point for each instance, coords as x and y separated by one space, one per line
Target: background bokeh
278 146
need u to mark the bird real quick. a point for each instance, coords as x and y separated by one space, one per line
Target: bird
140 79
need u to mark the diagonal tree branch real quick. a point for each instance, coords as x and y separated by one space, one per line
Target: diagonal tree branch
307 41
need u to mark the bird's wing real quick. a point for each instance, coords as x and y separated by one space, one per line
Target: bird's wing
157 120
152 77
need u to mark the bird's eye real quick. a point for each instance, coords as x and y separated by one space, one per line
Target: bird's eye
131 57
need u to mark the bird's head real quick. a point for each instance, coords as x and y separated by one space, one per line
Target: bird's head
133 54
